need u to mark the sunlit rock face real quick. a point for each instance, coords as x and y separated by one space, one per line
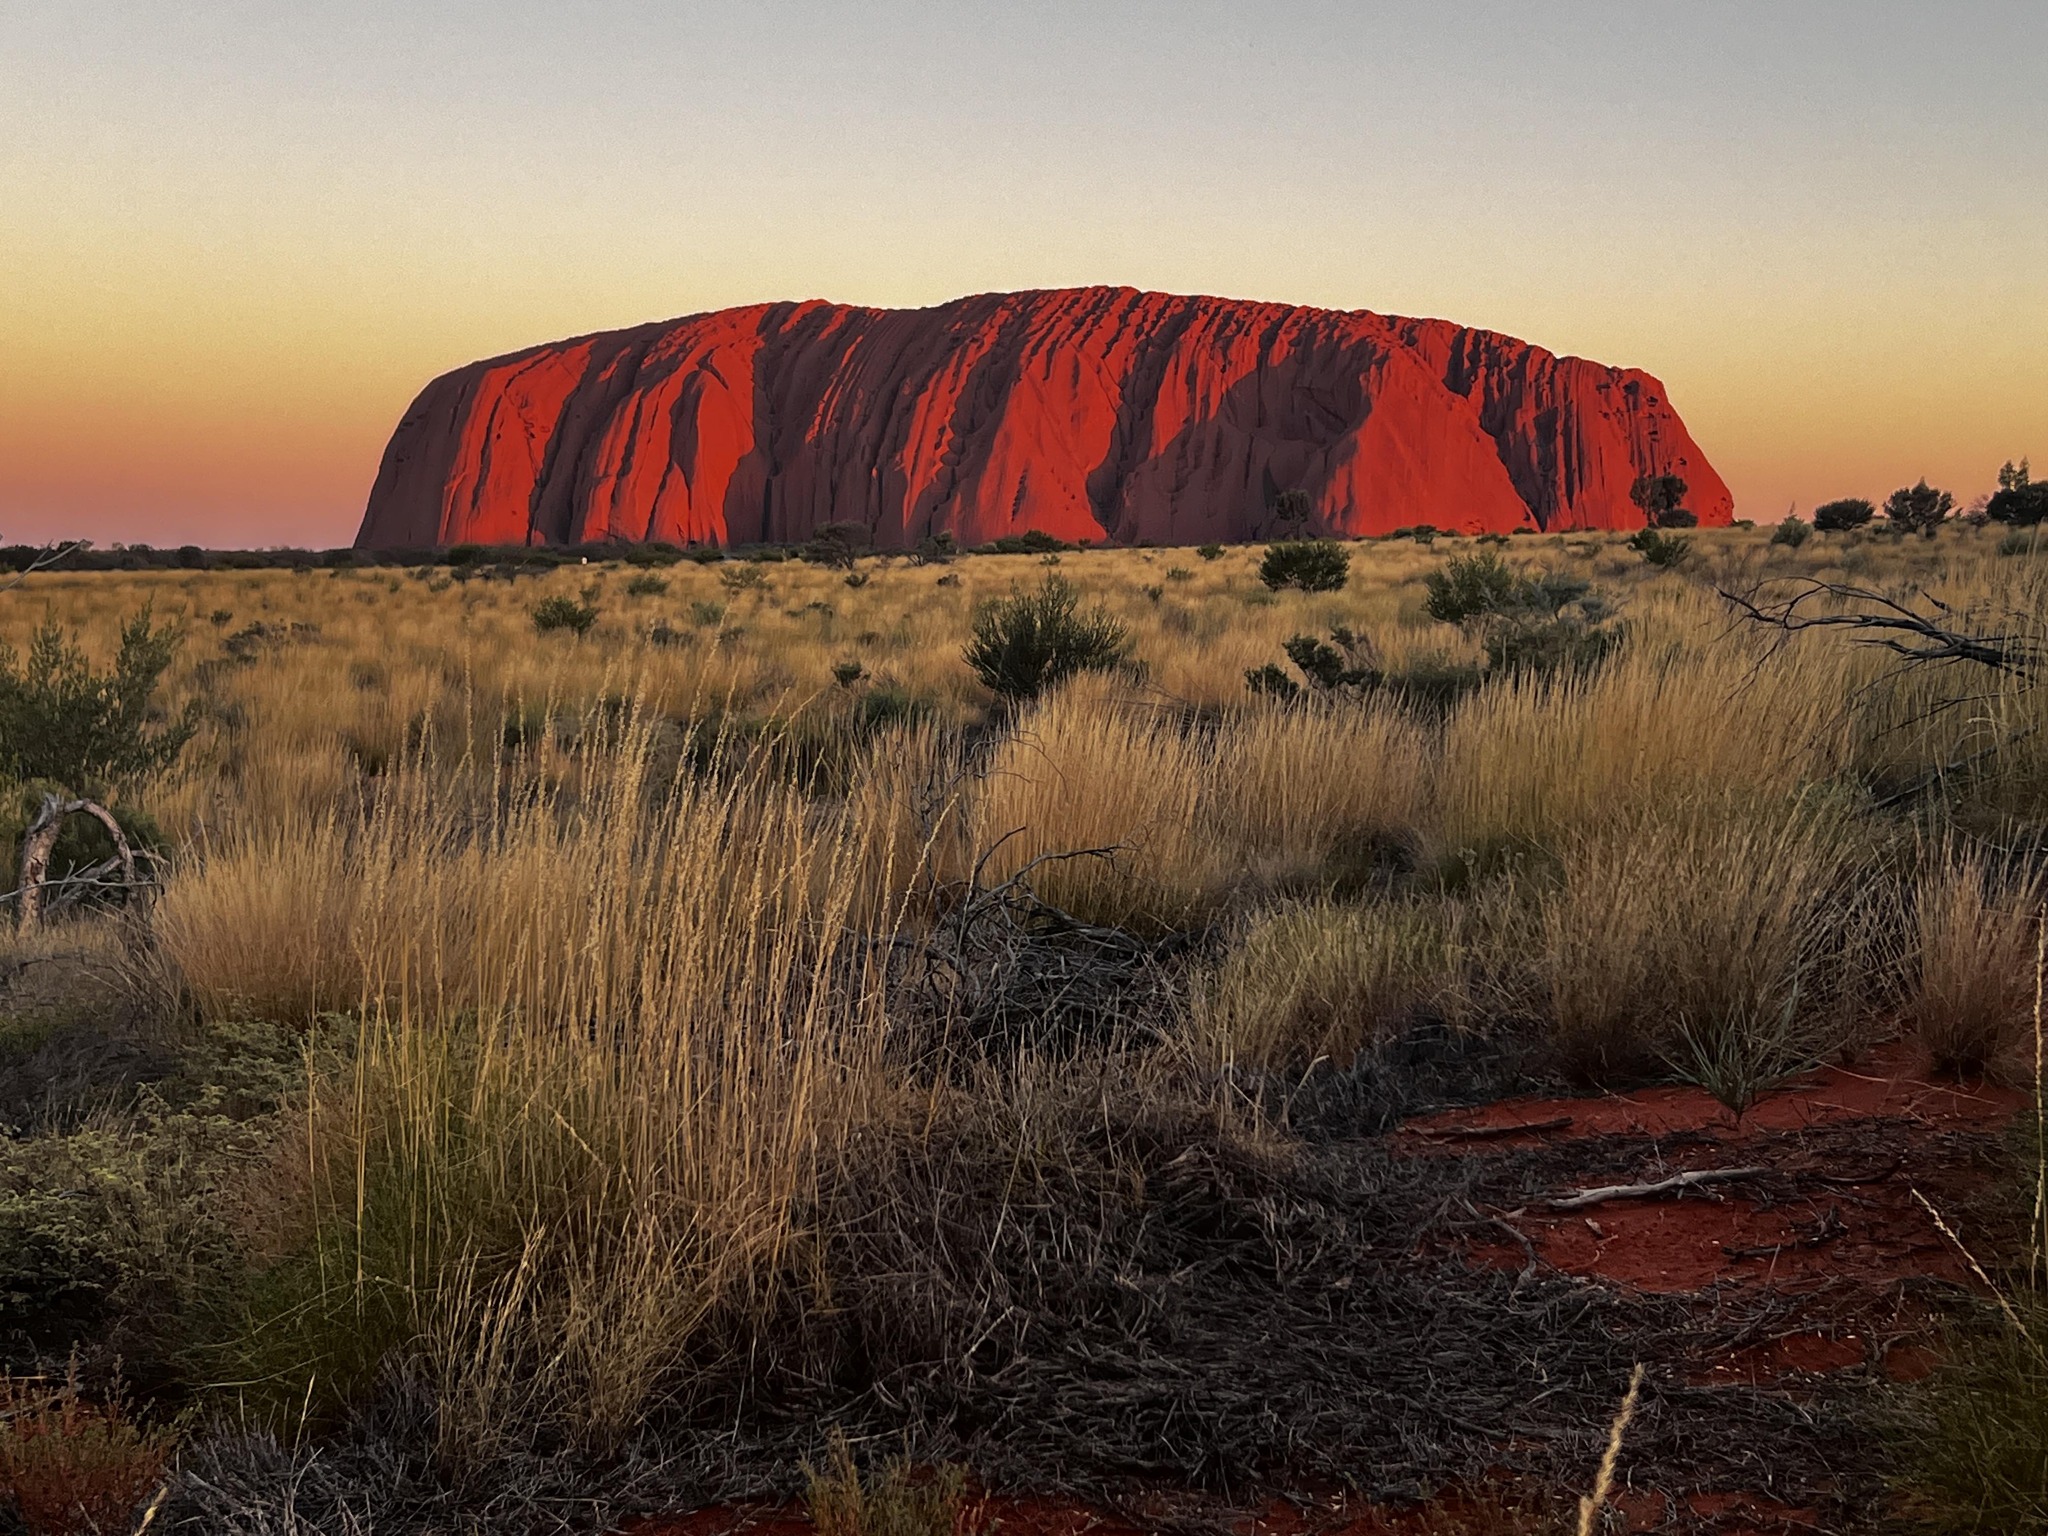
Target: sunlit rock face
1102 414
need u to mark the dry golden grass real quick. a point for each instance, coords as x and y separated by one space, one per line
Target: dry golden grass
598 911
1974 935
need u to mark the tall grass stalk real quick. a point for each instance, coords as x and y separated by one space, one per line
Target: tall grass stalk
598 1049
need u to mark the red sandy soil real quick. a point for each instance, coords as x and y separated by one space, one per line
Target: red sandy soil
1845 1252
1856 1223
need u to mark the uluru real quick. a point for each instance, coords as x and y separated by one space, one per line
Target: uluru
1101 414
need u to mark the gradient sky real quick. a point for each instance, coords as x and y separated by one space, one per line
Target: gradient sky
236 238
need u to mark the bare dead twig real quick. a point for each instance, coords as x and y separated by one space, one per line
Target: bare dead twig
1492 1132
46 557
1581 1199
1874 619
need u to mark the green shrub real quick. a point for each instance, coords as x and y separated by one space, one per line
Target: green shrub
1977 1459
1468 586
934 549
1546 647
838 545
1029 641
1664 550
2022 505
65 721
1841 516
1661 499
1918 508
646 584
1035 541
1312 565
1792 533
887 705
1209 551
747 577
552 613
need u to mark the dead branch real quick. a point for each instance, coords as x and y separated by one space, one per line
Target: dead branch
1671 1186
1914 635
44 558
41 841
1490 1132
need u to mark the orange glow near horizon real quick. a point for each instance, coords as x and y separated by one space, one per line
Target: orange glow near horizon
232 252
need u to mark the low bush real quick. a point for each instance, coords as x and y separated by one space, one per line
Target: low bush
73 1467
1664 550
1841 516
1792 532
1661 500
646 584
1310 565
556 613
64 720
1918 508
1035 541
2023 505
1209 551
1025 643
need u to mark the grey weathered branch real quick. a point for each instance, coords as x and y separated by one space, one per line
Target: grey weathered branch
46 557
41 841
1671 1186
1875 619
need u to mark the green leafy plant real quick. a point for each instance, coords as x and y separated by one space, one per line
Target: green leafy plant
1792 532
1841 516
1310 565
1667 551
1661 499
838 545
646 584
1918 508
744 577
1034 541
63 720
2020 500
1471 585
1028 641
555 613
1209 551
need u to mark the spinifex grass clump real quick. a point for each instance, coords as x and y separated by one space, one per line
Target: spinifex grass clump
895 1499
601 1045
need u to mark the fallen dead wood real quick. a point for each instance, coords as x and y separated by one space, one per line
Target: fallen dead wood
41 841
1580 1199
1492 1132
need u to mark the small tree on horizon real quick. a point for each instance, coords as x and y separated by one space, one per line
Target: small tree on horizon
1918 508
1841 516
1661 500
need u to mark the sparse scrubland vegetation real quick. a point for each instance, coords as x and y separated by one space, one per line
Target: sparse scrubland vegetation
591 1033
